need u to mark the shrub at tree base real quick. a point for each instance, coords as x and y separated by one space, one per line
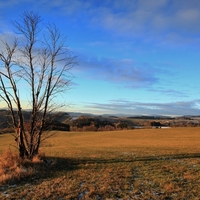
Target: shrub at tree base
13 168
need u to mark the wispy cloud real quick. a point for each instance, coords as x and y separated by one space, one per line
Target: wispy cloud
155 20
6 37
124 72
169 92
138 108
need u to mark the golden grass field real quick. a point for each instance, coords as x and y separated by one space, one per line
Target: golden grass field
130 164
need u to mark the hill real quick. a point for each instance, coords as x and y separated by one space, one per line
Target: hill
90 122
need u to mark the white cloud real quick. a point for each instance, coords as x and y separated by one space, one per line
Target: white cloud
134 18
138 108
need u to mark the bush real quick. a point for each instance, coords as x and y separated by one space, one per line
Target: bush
89 128
106 128
122 125
13 168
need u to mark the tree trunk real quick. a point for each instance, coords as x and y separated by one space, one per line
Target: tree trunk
21 144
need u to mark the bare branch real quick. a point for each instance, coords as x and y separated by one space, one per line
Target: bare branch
43 63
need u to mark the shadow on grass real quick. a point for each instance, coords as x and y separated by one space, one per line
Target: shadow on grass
55 167
76 162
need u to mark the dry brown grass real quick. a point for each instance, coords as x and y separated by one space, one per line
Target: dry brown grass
13 168
130 143
137 164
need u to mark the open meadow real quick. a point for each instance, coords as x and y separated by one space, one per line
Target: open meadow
128 164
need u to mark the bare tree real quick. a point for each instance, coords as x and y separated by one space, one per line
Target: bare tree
39 61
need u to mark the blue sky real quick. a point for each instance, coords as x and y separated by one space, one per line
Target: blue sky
136 57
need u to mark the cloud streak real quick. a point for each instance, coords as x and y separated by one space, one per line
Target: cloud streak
124 72
136 108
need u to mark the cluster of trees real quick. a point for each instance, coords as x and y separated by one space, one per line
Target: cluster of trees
180 122
84 123
62 121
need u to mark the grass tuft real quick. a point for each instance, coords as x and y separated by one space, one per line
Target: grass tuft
14 169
